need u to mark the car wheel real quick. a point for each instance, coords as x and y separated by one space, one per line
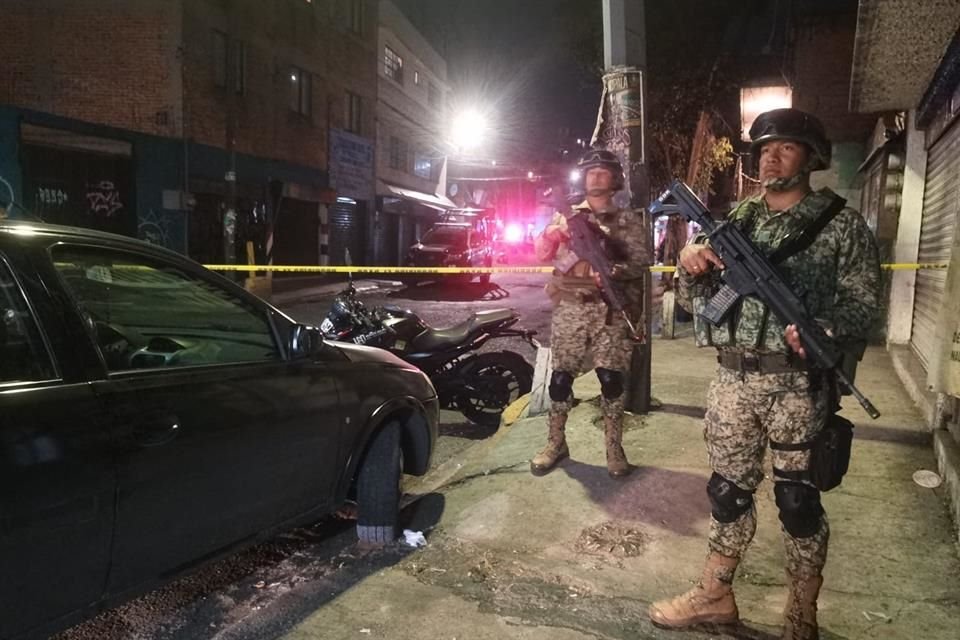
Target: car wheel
378 487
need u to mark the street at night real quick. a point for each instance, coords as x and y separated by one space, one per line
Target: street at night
460 320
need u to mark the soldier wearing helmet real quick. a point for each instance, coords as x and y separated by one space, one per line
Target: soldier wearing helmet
581 320
765 393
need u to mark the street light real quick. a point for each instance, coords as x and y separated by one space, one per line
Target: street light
469 130
575 175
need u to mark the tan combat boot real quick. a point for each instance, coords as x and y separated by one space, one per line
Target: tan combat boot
711 601
800 614
556 449
617 465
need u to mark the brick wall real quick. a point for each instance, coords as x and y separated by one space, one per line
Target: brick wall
823 59
148 66
110 62
276 37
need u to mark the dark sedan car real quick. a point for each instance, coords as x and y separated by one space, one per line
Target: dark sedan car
154 415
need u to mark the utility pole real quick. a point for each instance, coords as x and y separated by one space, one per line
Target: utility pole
230 176
620 128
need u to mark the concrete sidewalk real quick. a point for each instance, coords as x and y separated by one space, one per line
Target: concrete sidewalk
576 555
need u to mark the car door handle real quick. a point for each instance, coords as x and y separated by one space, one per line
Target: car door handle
156 430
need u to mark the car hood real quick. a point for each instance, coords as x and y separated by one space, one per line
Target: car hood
433 248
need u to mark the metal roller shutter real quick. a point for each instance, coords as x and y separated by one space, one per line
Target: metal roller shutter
940 200
346 232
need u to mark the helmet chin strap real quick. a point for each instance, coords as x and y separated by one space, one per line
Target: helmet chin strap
785 184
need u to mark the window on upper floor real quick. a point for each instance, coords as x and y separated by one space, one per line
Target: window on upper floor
301 91
354 113
422 166
416 78
398 154
219 42
433 95
229 62
392 64
356 16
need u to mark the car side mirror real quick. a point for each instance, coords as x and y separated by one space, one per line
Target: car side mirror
304 341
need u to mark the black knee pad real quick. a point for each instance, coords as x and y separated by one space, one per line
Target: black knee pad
800 508
611 383
729 501
561 384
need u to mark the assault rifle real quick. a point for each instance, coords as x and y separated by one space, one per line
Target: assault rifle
585 243
748 272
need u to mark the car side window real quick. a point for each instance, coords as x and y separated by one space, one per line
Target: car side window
23 355
147 313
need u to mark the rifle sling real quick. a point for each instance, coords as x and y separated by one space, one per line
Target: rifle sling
794 245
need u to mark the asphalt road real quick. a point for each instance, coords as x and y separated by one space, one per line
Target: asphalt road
258 593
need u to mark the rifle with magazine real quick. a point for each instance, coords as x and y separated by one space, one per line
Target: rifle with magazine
585 242
749 272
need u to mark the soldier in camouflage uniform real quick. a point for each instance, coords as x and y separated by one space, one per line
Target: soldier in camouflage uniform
765 393
581 320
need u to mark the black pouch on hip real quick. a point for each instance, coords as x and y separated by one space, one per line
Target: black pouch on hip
830 455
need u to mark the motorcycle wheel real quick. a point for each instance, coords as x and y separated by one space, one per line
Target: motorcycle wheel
494 381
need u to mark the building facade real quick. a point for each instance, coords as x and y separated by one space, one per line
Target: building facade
411 153
906 67
199 125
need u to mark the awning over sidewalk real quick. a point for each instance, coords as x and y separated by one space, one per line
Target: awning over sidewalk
440 203
897 48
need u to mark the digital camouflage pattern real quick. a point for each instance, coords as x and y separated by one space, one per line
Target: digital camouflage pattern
745 411
577 328
837 277
624 244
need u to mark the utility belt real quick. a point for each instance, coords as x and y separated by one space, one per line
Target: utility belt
752 362
829 449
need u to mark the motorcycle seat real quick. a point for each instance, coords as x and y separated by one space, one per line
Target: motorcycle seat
436 339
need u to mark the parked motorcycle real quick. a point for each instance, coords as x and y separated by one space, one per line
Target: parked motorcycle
479 385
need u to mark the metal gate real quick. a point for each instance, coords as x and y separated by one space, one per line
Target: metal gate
80 181
346 232
940 201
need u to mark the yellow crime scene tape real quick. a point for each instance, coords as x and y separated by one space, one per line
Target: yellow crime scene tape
455 270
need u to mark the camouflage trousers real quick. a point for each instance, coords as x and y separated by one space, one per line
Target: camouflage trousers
745 411
577 328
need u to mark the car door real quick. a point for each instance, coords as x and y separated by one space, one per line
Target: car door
57 475
220 435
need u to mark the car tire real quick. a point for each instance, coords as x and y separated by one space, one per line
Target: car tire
378 487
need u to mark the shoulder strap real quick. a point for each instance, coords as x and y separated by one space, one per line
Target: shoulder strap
795 244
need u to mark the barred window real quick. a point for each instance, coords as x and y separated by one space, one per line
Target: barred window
392 64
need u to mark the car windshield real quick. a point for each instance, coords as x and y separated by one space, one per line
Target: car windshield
446 237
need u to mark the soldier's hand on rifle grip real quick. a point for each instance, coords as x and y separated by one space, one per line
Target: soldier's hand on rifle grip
792 336
698 259
557 232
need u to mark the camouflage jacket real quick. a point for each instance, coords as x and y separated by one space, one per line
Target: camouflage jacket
837 277
625 245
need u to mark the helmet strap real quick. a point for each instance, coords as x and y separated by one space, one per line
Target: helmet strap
786 184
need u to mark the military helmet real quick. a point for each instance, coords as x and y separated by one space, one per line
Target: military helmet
792 124
602 158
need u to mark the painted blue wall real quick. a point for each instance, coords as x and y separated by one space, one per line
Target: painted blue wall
158 167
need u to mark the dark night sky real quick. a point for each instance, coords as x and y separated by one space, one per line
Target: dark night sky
516 58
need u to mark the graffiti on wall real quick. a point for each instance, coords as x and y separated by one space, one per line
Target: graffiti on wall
103 198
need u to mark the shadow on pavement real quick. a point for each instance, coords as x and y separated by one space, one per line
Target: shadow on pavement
264 591
674 500
451 292
467 430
